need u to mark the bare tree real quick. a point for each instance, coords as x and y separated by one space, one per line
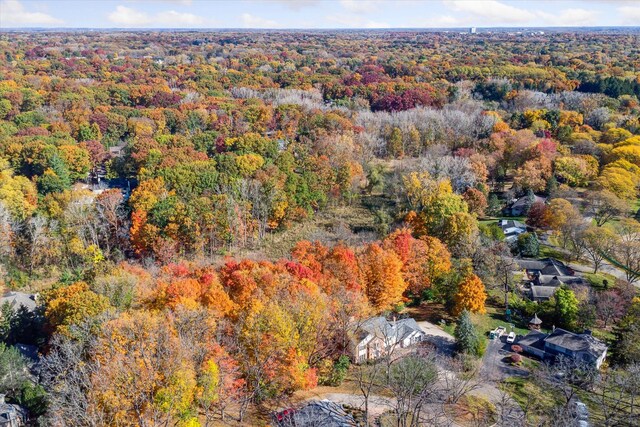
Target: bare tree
616 393
566 375
508 412
604 206
411 383
7 228
455 381
66 373
369 378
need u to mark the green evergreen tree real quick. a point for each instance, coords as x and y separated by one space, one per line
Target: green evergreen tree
466 334
56 178
625 347
528 245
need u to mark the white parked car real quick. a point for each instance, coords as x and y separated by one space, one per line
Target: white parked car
511 337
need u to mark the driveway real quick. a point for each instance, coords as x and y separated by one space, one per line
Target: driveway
444 342
493 367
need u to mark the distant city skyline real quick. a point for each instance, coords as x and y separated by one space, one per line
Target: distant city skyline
315 14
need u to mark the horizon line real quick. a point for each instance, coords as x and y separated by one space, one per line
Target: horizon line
311 29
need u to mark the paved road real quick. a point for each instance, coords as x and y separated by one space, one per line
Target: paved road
605 267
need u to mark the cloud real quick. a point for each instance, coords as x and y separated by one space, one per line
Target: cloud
442 21
13 14
295 4
360 6
128 17
630 14
491 11
252 21
570 18
180 2
351 21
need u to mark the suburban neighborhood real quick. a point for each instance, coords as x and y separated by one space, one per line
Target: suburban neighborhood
319 213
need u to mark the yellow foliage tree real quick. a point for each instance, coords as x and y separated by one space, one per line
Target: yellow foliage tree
470 295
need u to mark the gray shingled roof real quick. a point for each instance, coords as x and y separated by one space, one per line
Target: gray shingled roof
522 201
16 299
546 266
533 339
320 413
381 327
536 320
543 291
576 342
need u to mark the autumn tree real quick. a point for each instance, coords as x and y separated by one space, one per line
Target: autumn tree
71 305
604 206
382 273
598 243
470 296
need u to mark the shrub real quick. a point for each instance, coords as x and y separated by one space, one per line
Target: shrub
515 358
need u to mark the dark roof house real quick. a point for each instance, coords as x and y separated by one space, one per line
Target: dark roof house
545 267
542 293
520 206
580 347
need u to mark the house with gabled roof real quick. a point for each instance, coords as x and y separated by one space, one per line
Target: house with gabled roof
511 229
519 207
376 337
19 299
315 413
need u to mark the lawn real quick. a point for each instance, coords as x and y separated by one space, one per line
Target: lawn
488 321
493 318
551 252
596 280
538 402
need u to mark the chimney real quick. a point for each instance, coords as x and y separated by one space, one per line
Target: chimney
2 402
587 332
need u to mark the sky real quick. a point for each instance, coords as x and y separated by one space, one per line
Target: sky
316 13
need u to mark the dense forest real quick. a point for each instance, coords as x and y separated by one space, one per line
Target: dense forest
205 216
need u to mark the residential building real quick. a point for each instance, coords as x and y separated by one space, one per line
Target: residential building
544 276
511 229
545 267
376 337
316 413
519 207
580 347
17 299
542 293
11 415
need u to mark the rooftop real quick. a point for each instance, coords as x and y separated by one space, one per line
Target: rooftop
576 342
543 291
318 413
16 299
536 320
545 266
